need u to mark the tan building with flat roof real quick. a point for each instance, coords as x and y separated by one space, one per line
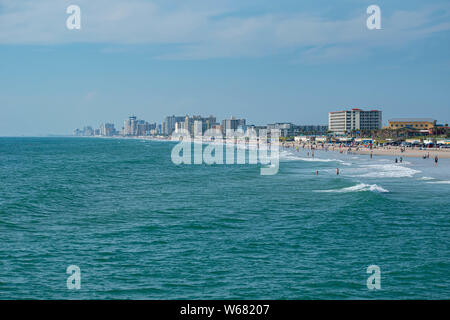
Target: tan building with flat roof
412 123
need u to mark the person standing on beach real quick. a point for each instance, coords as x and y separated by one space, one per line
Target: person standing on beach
436 160
401 159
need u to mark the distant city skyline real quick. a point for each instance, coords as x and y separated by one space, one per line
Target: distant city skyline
286 62
195 125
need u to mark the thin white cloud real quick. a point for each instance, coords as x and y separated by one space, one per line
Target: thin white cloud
208 31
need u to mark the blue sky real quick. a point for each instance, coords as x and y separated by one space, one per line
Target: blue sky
267 61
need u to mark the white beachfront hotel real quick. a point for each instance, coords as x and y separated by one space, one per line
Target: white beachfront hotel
345 121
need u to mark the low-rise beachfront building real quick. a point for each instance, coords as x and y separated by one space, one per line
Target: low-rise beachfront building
443 141
341 122
286 128
322 139
412 123
413 141
440 129
307 139
303 139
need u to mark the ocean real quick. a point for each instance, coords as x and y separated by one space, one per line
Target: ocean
140 227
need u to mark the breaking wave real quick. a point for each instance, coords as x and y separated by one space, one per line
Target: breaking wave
358 188
291 157
388 171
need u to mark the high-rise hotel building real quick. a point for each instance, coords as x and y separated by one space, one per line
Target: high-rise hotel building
355 119
232 124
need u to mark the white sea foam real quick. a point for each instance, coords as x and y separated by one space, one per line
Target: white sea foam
426 178
387 171
358 188
288 156
440 182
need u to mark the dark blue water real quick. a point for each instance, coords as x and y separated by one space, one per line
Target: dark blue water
140 227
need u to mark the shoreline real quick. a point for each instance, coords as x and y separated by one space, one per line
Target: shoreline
376 151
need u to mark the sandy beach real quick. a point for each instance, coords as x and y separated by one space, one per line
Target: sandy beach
382 151
408 152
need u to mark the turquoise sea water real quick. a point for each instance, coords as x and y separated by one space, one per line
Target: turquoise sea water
140 227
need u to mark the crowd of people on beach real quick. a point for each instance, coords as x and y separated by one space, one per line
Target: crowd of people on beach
342 149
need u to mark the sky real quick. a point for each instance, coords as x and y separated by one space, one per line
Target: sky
263 60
